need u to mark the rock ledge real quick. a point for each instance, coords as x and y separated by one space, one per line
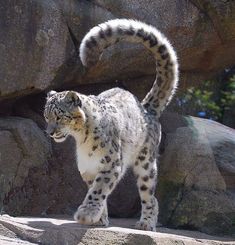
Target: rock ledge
63 230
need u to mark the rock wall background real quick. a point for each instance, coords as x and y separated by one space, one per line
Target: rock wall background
39 43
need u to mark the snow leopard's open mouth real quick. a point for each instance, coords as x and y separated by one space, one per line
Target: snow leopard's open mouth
59 137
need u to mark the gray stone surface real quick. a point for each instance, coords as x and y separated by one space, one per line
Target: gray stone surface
34 45
196 182
39 41
23 147
61 231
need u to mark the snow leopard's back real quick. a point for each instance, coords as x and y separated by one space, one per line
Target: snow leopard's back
134 122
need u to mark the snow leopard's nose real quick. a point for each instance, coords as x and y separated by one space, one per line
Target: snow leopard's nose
51 129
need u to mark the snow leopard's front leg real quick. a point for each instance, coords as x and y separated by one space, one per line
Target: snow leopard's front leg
94 205
104 221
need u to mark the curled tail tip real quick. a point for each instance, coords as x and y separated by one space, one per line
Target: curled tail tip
89 63
88 51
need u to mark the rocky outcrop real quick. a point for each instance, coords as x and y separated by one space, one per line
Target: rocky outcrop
40 39
60 231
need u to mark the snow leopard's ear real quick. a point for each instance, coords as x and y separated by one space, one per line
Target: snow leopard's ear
72 98
51 93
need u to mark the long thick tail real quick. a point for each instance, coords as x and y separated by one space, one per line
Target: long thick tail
106 34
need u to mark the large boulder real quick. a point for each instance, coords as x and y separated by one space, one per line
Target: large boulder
196 187
197 171
39 41
23 147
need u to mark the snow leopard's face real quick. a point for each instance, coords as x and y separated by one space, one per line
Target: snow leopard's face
63 113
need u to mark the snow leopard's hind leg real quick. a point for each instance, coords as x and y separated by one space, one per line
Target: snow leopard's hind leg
145 169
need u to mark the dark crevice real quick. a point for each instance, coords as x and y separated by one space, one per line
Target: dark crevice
76 43
188 227
180 198
100 5
23 109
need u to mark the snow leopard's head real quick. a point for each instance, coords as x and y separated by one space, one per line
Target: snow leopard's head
63 114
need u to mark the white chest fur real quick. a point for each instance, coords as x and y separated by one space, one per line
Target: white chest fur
87 161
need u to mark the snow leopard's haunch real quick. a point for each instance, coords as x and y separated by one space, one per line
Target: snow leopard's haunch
106 34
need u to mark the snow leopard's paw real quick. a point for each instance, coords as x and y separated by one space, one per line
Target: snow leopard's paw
104 221
147 225
88 214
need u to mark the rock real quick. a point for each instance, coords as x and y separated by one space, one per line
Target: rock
37 178
40 177
119 203
52 31
39 34
62 231
34 44
23 147
209 25
196 182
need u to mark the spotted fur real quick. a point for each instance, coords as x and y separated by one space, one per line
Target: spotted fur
114 131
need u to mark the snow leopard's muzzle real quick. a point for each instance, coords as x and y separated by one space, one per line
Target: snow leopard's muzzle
54 131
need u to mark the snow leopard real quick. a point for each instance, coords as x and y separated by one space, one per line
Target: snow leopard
114 131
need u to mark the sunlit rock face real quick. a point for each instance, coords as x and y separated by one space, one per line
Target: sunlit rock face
39 41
